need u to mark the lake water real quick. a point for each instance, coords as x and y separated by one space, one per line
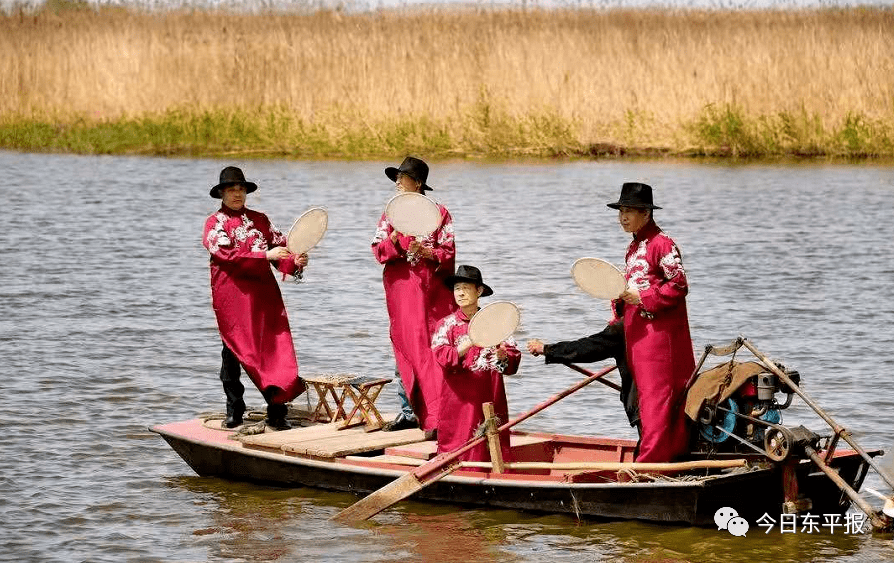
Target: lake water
106 329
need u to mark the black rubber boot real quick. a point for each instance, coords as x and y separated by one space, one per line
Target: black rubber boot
401 422
234 414
276 417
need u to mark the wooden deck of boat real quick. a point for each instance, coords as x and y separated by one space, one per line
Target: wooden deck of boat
331 442
401 448
327 441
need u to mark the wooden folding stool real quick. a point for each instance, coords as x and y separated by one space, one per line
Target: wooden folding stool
326 385
363 392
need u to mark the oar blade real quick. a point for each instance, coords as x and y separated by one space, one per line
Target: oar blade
394 492
888 509
379 500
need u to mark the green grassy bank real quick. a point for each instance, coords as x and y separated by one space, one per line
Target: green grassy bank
720 131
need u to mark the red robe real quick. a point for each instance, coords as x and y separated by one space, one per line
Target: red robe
469 381
659 348
247 302
417 298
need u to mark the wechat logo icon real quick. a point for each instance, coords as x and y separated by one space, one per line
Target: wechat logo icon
728 519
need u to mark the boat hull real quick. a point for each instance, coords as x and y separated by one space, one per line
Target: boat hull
751 493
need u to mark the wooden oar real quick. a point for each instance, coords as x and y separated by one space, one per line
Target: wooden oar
588 373
441 465
877 522
586 465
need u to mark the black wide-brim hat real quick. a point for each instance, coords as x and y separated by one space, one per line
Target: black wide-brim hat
230 176
469 274
635 194
413 167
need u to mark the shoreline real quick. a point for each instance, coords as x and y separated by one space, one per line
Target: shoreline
273 134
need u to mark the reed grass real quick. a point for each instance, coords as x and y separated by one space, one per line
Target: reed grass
457 81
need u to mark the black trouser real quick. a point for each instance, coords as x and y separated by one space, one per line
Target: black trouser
230 372
609 343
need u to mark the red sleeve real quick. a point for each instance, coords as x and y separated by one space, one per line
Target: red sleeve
288 266
383 249
443 346
672 286
445 247
275 238
617 307
471 358
447 356
513 360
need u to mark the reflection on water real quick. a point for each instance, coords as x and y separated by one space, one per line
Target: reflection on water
256 523
106 328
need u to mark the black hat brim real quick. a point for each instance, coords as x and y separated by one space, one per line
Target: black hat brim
619 205
392 173
249 187
450 281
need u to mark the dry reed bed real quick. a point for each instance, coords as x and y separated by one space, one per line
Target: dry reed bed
626 77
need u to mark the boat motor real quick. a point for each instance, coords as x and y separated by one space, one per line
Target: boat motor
738 405
734 410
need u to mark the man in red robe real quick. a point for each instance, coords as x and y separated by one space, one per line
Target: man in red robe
472 375
247 302
656 326
417 298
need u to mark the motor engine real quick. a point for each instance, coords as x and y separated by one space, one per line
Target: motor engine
738 401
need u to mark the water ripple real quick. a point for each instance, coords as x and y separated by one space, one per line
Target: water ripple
110 330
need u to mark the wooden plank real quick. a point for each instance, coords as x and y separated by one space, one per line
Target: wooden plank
359 442
617 466
579 466
518 440
427 450
389 459
421 450
276 440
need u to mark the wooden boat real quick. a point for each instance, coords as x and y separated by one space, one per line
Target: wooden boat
580 476
742 457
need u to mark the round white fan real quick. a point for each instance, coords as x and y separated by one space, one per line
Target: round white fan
307 230
598 278
413 214
494 323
